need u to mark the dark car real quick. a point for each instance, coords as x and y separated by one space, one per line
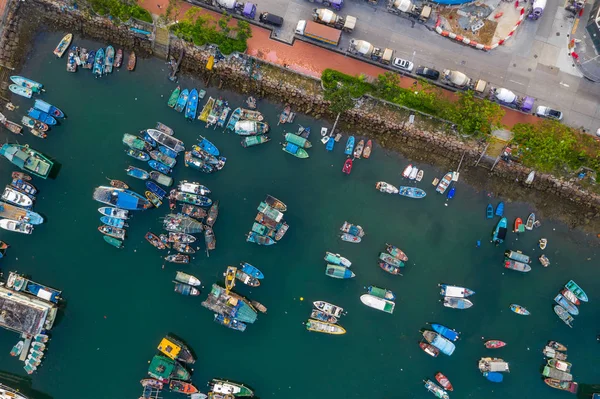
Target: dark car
271 19
428 73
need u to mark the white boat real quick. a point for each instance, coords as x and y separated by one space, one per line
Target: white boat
330 309
324 139
407 171
413 173
7 392
386 188
378 303
187 279
420 175
530 177
193 188
166 140
324 131
17 227
444 183
14 197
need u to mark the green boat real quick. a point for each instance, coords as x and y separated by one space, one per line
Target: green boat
577 290
232 388
174 96
163 369
27 159
297 140
296 151
250 141
113 241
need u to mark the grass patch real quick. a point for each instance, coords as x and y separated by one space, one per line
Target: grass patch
120 10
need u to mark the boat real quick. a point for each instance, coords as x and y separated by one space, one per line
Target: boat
193 211
412 192
250 128
109 59
494 344
166 140
43 338
193 199
124 199
330 144
368 149
16 226
137 154
208 147
29 368
98 67
230 388
297 140
386 188
328 308
24 187
451 193
455 291
444 183
177 258
436 390
246 278
164 369
183 248
114 212
322 316
259 306
154 240
118 184
233 119
112 231
457 303
530 222
387 258
21 175
182 100
324 327
489 211
381 293
160 167
174 97
21 91
131 61
114 222
358 150
90 58
517 255
543 243
193 188
350 238
161 179
230 323
118 59
230 277
182 387
275 203
146 137
413 173
41 116
519 226
38 346
206 110
429 349
113 241
258 239
336 259
17 198
337 271
518 309
28 83
251 115
162 158
499 233
568 386
223 117
500 209
176 350
493 376
518 266
444 382
569 307
378 303
352 229
252 271
63 45
251 141
192 105
294 150
349 146
560 365
136 142
446 332
347 168
551 372
577 290
17 349
396 252
493 364
154 188
570 297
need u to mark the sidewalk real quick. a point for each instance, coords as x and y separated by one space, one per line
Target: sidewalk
586 57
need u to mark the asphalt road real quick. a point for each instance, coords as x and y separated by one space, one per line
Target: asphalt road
535 62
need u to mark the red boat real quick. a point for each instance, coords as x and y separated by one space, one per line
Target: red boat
444 382
182 387
429 349
347 166
519 228
494 344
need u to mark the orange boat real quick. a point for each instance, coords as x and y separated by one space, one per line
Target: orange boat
429 349
494 344
519 227
182 387
444 382
131 62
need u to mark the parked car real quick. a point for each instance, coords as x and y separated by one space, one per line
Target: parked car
403 64
428 73
547 112
271 19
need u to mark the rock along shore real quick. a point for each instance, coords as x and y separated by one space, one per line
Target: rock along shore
555 197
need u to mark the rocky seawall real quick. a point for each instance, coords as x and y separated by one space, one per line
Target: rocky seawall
577 206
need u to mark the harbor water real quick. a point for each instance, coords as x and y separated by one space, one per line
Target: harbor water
120 303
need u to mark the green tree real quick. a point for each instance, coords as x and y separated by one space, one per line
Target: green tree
340 100
474 116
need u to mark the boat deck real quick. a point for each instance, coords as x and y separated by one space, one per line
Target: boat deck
12 212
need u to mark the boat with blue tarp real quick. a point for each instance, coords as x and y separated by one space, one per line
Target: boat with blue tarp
499 233
208 147
159 166
114 222
123 199
182 100
500 209
444 345
252 271
493 376
349 146
41 116
192 105
98 67
137 173
233 119
330 144
445 332
411 192
294 150
153 187
168 152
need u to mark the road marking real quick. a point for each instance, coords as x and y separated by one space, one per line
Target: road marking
563 84
519 83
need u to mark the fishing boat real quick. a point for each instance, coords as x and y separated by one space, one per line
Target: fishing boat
251 271
444 183
41 116
146 137
396 252
368 149
28 83
182 100
358 150
347 168
429 349
114 222
570 297
17 198
386 188
230 323
204 114
518 266
387 258
381 293
259 306
176 350
135 142
378 303
518 309
517 255
451 193
294 150
207 146
560 365
297 140
444 382
337 271
349 146
543 242
499 233
182 387
174 97
551 372
251 141
17 349
34 124
566 304
519 226
500 209
250 128
568 386
258 239
193 188
38 346
328 308
493 364
337 259
436 390
330 144
48 108
557 346
160 167
530 222
193 199
494 344
162 158
164 369
412 192
183 248
457 303
223 116
72 59
109 60
493 376
63 45
113 241
247 279
24 186
137 154
233 119
154 240
193 211
322 316
98 67
118 59
161 179
275 203
251 115
446 332
124 199
178 258
114 212
350 238
577 290
166 140
192 105
455 291
154 188
21 175
553 353
285 114
489 211
352 229
90 59
21 91
131 61
112 231
230 389
324 327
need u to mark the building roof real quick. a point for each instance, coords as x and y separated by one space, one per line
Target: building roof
22 313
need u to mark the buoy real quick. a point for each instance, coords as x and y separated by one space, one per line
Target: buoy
301 298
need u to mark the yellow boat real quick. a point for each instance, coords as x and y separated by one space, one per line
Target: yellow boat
230 277
63 45
175 350
324 327
206 110
210 63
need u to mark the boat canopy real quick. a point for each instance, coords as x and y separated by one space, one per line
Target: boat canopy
445 346
169 348
453 291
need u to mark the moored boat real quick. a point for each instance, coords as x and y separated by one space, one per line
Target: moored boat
381 293
161 178
387 258
444 382
193 188
368 149
178 258
530 221
358 150
493 376
230 323
41 116
180 237
429 349
98 67
568 386
489 211
500 209
562 301
131 61
436 390
154 240
17 349
349 146
164 368
564 315
386 187
160 167
347 168
17 198
337 259
328 308
16 226
114 222
494 344
176 350
252 271
350 238
557 346
183 248
258 239
337 271
166 140
519 226
193 199
182 100
324 327
174 97
322 316
207 146
182 387
499 233
251 141
230 389
112 231
118 184
24 186
551 372
518 256
518 309
560 365
412 192
518 266
28 83
445 332
246 278
63 45
570 297
21 91
493 364
137 154
297 140
118 59
457 303
455 291
204 114
378 303
576 290
444 183
113 241
114 212
396 252
109 59
192 105
294 150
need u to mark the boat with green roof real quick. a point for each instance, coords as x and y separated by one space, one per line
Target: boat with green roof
163 369
227 388
27 159
174 96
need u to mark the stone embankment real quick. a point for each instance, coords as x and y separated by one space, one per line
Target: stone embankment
420 144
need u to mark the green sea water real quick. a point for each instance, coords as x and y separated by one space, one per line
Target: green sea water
119 303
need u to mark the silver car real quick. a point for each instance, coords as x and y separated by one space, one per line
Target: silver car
403 64
547 112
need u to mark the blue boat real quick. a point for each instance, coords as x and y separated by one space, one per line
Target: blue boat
48 108
98 63
208 147
144 135
41 291
489 211
197 163
162 168
114 222
90 60
182 100
411 192
337 271
110 59
493 376
349 146
156 189
168 152
252 271
121 199
444 345
451 193
330 144
499 233
258 239
445 332
137 173
41 116
192 105
137 154
500 209
565 303
234 324
28 83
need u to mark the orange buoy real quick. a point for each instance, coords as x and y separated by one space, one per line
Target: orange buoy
498 15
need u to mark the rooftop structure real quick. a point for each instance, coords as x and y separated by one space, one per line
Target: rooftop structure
25 314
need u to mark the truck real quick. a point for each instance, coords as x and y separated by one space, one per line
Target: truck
456 79
335 4
318 32
247 10
509 99
408 8
328 17
537 9
367 50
